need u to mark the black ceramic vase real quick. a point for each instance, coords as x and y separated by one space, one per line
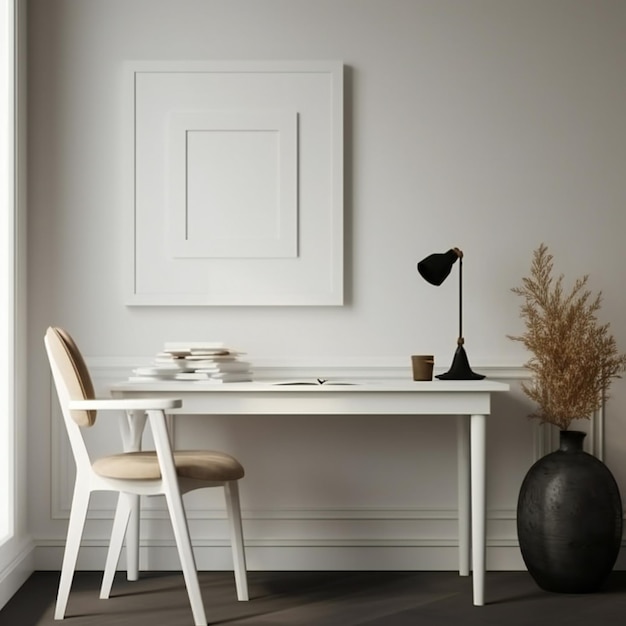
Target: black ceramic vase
569 519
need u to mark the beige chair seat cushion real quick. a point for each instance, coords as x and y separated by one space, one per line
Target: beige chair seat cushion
199 464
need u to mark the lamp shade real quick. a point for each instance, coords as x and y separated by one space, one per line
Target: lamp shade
436 267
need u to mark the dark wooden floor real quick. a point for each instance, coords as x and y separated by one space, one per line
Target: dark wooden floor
318 599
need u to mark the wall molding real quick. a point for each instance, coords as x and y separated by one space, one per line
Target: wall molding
16 571
297 557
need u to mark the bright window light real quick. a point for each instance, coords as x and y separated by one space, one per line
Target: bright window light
7 300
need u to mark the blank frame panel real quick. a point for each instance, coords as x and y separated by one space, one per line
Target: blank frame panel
235 183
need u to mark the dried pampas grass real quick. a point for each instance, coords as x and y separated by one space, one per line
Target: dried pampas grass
574 357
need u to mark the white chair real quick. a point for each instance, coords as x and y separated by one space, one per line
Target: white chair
137 473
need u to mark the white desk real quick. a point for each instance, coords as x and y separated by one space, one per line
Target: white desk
469 400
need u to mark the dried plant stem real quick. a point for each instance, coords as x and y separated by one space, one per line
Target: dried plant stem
573 357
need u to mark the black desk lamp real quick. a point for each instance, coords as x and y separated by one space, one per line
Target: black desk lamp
435 269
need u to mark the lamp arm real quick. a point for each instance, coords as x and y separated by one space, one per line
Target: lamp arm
460 340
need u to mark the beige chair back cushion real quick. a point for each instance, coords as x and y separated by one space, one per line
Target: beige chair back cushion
73 370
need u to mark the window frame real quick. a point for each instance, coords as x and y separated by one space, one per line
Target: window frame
8 271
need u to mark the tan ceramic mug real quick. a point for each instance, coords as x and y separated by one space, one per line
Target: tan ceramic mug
422 366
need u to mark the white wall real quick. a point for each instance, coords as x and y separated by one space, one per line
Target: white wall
486 124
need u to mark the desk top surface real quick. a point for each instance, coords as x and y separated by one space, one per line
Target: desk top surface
291 387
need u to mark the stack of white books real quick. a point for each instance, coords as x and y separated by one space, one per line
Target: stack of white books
195 361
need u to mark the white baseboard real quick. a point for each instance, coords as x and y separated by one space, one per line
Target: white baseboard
291 557
15 573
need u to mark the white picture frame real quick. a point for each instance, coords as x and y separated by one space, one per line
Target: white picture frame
234 183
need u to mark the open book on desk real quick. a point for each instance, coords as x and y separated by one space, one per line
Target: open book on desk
315 381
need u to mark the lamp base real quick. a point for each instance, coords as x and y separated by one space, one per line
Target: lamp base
460 368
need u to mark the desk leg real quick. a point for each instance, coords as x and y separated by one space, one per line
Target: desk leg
132 431
132 427
478 427
464 491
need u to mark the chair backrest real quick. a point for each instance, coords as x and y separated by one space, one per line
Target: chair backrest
70 373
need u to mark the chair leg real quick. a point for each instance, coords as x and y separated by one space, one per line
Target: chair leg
185 552
78 514
231 491
120 523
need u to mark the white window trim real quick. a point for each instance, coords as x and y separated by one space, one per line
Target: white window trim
16 546
7 275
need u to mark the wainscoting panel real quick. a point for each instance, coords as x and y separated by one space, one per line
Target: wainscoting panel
335 492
